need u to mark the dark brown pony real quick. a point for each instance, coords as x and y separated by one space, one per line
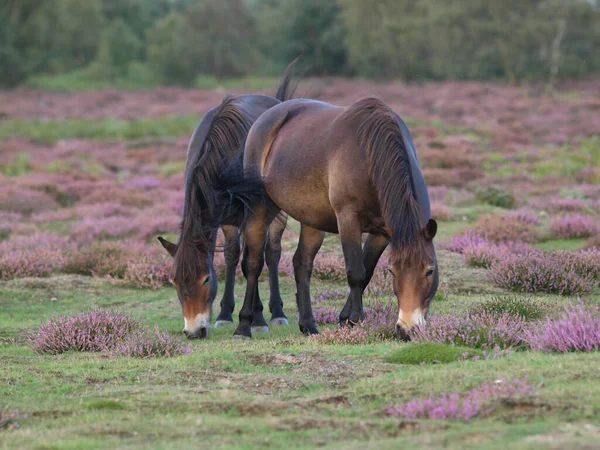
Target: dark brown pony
349 171
215 145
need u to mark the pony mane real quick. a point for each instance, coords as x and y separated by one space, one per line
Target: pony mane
380 136
224 139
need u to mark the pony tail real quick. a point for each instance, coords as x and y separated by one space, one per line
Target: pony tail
389 168
287 88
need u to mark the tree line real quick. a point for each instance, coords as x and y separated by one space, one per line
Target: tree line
177 40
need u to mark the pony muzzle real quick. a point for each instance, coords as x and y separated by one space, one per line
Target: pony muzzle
198 327
408 321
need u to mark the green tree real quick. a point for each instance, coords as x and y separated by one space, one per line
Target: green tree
168 42
222 38
315 31
119 47
62 34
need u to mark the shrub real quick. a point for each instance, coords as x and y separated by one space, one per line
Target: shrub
329 295
476 402
573 227
326 315
486 254
577 331
25 201
524 307
496 196
52 216
147 274
458 243
378 325
484 330
567 205
91 229
593 242
329 267
95 331
33 255
432 353
560 273
505 228
347 335
440 212
9 419
150 344
99 259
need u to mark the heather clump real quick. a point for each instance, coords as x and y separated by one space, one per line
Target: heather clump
563 273
479 329
33 255
505 228
147 273
94 331
433 353
478 402
567 205
329 267
106 331
9 419
574 227
484 254
378 325
99 259
458 243
343 335
326 315
329 295
578 330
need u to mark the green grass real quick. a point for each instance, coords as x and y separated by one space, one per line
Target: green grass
48 132
278 390
141 80
431 353
561 244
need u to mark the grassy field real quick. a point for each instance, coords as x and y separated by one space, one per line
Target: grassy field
279 390
105 168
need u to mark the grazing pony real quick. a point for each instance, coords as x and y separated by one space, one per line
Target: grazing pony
215 145
350 171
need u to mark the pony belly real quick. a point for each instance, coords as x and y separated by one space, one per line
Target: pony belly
308 208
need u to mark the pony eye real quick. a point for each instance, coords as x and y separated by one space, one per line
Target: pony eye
429 273
206 280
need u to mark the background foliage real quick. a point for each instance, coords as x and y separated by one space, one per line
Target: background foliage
177 41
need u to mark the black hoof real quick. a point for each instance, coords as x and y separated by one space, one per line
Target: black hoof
242 332
276 321
308 330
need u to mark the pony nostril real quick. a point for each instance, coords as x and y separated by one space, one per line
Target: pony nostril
186 332
202 332
402 333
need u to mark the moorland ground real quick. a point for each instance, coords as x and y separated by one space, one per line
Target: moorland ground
82 168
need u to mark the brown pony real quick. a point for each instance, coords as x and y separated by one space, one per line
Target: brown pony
350 171
215 145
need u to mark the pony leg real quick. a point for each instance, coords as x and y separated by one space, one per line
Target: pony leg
374 247
308 247
253 261
232 257
272 256
351 234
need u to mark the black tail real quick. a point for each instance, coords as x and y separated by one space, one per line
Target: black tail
288 86
240 193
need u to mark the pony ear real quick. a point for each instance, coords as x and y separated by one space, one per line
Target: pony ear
430 230
169 246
